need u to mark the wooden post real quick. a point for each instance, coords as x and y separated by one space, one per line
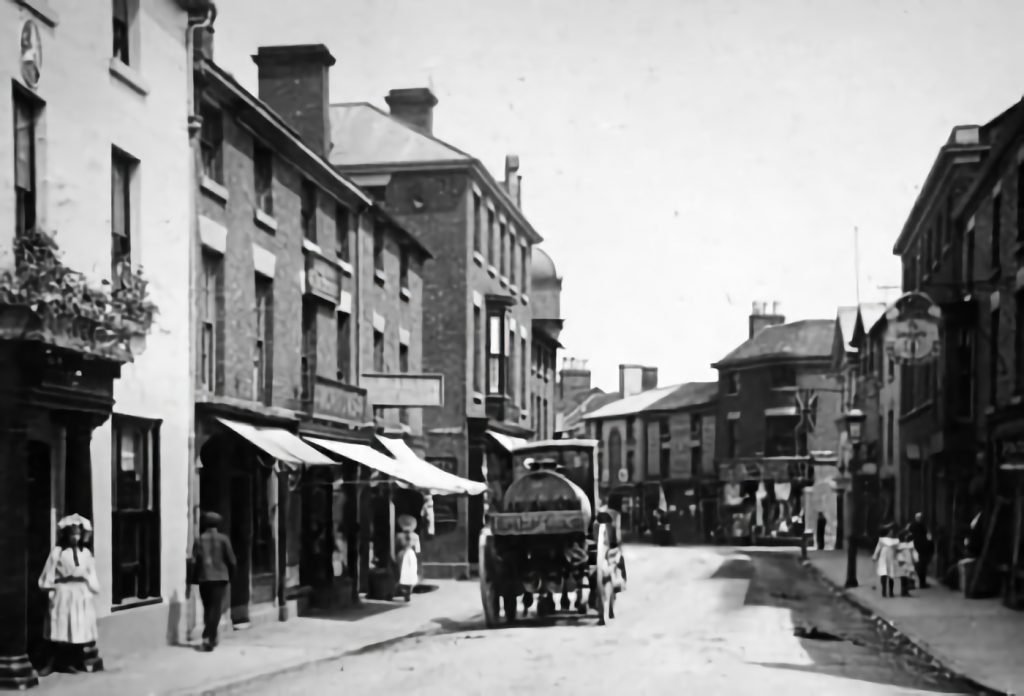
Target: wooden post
1015 551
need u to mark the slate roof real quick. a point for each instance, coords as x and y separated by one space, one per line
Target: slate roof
870 313
631 405
362 134
810 338
593 401
686 395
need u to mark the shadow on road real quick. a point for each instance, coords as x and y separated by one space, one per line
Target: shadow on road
837 638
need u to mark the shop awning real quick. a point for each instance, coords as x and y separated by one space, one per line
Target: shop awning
365 455
277 443
506 442
425 475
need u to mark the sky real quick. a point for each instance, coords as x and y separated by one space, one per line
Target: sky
681 158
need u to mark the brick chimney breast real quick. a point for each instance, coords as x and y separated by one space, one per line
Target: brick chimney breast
414 106
294 82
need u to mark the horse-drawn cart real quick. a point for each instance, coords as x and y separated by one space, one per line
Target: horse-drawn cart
546 536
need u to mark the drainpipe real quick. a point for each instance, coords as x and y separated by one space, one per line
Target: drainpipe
193 128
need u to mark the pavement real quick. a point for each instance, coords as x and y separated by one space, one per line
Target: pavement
249 656
695 620
977 639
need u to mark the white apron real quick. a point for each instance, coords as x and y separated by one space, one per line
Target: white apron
71 586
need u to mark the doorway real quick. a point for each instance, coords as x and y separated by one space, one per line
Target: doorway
40 543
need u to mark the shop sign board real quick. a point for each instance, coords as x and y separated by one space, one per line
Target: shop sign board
545 522
912 331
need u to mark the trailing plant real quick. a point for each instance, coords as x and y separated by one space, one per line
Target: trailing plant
64 302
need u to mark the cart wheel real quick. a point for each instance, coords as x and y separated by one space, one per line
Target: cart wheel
605 588
488 593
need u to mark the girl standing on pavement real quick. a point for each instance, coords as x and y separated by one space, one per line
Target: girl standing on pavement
407 545
69 578
885 559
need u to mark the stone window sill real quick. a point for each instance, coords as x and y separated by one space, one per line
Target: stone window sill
129 76
308 245
492 271
478 258
214 189
42 10
504 281
406 294
526 299
380 278
346 268
264 220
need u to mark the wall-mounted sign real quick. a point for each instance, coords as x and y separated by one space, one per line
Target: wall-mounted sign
323 278
912 333
623 475
336 400
31 53
404 390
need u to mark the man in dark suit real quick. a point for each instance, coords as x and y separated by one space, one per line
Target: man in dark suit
213 564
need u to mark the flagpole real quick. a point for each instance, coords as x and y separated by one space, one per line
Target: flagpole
856 261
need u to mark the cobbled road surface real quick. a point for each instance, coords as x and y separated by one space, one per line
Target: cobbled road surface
706 620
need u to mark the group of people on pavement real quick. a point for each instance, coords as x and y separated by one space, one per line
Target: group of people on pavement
903 556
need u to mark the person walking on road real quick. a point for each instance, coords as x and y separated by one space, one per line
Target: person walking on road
213 565
885 559
819 530
924 545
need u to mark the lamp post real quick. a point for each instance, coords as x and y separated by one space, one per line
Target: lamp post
852 422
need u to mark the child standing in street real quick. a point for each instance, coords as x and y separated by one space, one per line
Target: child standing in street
906 562
885 559
408 546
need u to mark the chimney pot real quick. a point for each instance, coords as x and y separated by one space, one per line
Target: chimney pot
414 106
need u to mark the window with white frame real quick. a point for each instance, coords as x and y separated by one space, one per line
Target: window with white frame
123 17
25 116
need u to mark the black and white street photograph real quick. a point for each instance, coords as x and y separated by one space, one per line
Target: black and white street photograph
468 348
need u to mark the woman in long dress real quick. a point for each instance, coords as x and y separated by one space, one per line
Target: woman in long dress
69 578
407 545
885 559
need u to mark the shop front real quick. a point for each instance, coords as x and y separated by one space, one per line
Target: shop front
763 499
251 469
1003 521
51 400
335 499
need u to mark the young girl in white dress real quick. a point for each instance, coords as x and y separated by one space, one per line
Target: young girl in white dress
69 578
407 545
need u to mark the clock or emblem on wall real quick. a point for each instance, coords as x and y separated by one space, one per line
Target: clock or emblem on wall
31 53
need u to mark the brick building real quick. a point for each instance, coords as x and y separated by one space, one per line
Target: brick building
576 398
988 224
937 412
94 155
661 442
776 401
478 297
545 293
302 283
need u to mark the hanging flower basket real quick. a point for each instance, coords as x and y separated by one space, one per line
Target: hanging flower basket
45 300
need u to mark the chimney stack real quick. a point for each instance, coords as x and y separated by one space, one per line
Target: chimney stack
649 379
760 318
414 106
574 379
631 380
294 82
513 181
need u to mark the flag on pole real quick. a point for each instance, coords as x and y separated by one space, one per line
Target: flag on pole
662 503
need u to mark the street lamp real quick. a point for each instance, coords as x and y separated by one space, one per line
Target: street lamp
852 422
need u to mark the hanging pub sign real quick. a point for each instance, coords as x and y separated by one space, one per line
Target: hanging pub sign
912 332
